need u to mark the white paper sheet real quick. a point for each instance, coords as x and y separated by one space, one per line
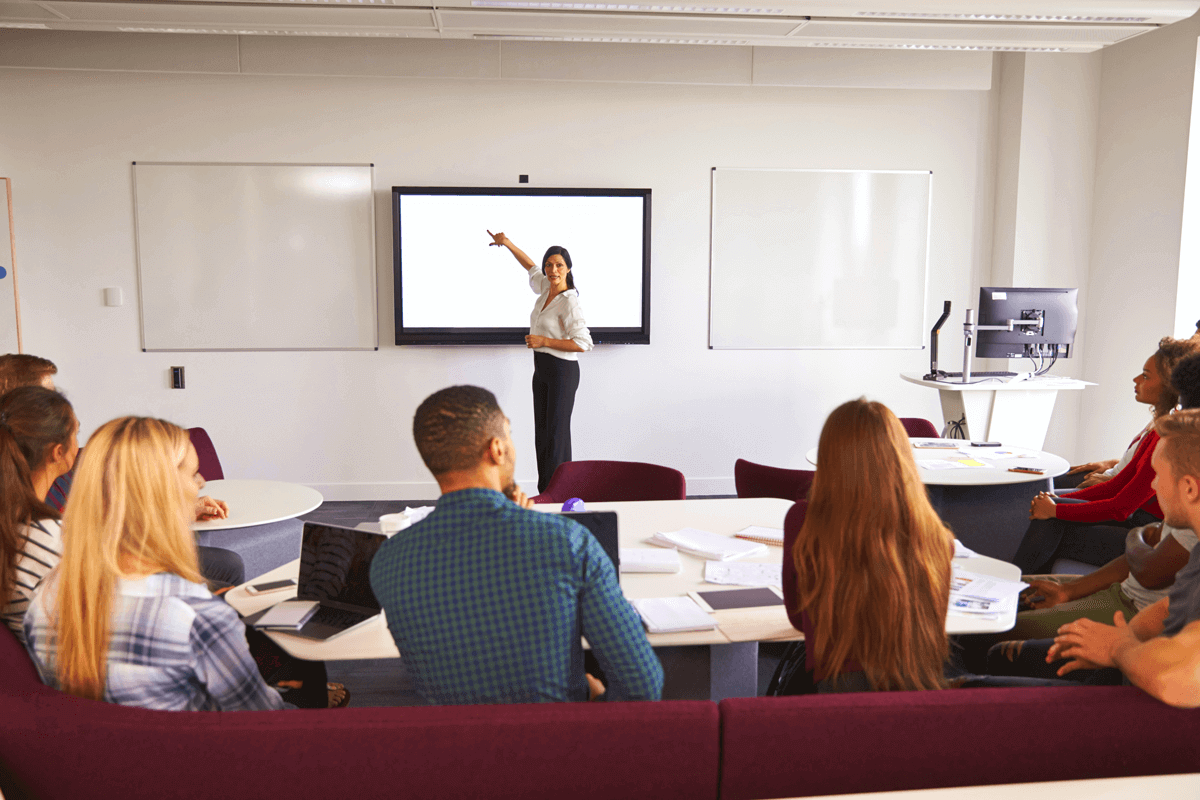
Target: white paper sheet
736 573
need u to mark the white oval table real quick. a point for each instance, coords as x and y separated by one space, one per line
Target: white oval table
987 506
255 502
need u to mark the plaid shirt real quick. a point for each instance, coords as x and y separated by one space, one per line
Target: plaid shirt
173 647
487 602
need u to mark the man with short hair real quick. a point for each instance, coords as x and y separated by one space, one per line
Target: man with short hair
486 598
1159 649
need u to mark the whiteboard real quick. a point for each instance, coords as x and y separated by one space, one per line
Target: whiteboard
818 259
256 256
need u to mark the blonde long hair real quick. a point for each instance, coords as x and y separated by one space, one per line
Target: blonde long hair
128 510
873 558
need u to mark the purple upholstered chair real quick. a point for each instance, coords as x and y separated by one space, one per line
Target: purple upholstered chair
918 428
758 480
605 481
210 465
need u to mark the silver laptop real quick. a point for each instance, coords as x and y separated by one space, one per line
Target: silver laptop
335 570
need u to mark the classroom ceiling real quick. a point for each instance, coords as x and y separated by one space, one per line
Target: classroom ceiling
1073 26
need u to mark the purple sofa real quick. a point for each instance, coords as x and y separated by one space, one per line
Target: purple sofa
56 746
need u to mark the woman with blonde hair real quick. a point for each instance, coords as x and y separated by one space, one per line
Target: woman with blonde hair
126 616
872 561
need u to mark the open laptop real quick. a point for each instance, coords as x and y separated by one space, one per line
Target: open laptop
603 525
335 570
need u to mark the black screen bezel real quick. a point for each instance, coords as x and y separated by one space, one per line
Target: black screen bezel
513 336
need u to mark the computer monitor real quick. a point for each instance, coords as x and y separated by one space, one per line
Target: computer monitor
1053 338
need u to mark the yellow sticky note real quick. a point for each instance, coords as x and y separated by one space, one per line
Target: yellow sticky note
970 462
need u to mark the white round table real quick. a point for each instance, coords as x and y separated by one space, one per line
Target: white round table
987 506
254 502
996 465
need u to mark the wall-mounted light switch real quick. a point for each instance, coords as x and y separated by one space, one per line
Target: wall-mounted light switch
113 296
176 377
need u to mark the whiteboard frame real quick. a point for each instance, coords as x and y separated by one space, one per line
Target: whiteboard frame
712 255
138 258
12 264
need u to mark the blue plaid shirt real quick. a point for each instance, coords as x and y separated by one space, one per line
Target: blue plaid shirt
173 647
487 602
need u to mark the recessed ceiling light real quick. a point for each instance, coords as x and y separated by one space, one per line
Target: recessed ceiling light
274 32
557 6
998 48
618 39
999 17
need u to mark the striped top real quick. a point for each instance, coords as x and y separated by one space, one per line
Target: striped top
40 553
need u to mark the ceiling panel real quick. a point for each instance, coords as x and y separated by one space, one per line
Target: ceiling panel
532 21
279 15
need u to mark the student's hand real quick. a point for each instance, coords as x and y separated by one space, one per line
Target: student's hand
535 341
1042 507
596 689
1093 479
210 508
1052 593
521 499
1089 645
498 239
1090 467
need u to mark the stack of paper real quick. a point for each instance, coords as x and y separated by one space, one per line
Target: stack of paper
735 574
982 596
707 545
649 559
962 551
673 615
757 533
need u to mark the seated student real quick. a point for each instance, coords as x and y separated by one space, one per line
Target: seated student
870 538
222 568
124 618
1150 387
22 369
487 599
1159 649
37 444
1091 524
1138 578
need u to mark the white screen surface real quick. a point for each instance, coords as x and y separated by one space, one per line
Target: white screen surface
451 278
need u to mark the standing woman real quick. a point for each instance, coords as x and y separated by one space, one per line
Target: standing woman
558 333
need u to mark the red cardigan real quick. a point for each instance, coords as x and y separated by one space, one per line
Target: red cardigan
1119 496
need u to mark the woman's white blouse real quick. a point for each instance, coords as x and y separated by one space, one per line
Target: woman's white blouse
562 319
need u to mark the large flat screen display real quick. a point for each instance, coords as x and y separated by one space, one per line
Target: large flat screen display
452 288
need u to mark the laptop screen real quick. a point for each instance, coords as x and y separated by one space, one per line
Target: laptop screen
603 525
335 565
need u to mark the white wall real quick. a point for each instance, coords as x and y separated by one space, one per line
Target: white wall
1145 109
340 421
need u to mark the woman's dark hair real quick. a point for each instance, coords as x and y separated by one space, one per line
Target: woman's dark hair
1169 353
1185 379
32 420
556 250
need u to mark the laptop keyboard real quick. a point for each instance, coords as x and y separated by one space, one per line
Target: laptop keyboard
337 617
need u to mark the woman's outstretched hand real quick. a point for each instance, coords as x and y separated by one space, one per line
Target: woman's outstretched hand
498 239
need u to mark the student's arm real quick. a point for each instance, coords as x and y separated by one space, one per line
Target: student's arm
500 240
222 662
1054 593
1153 558
1166 667
615 632
1123 495
1089 645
